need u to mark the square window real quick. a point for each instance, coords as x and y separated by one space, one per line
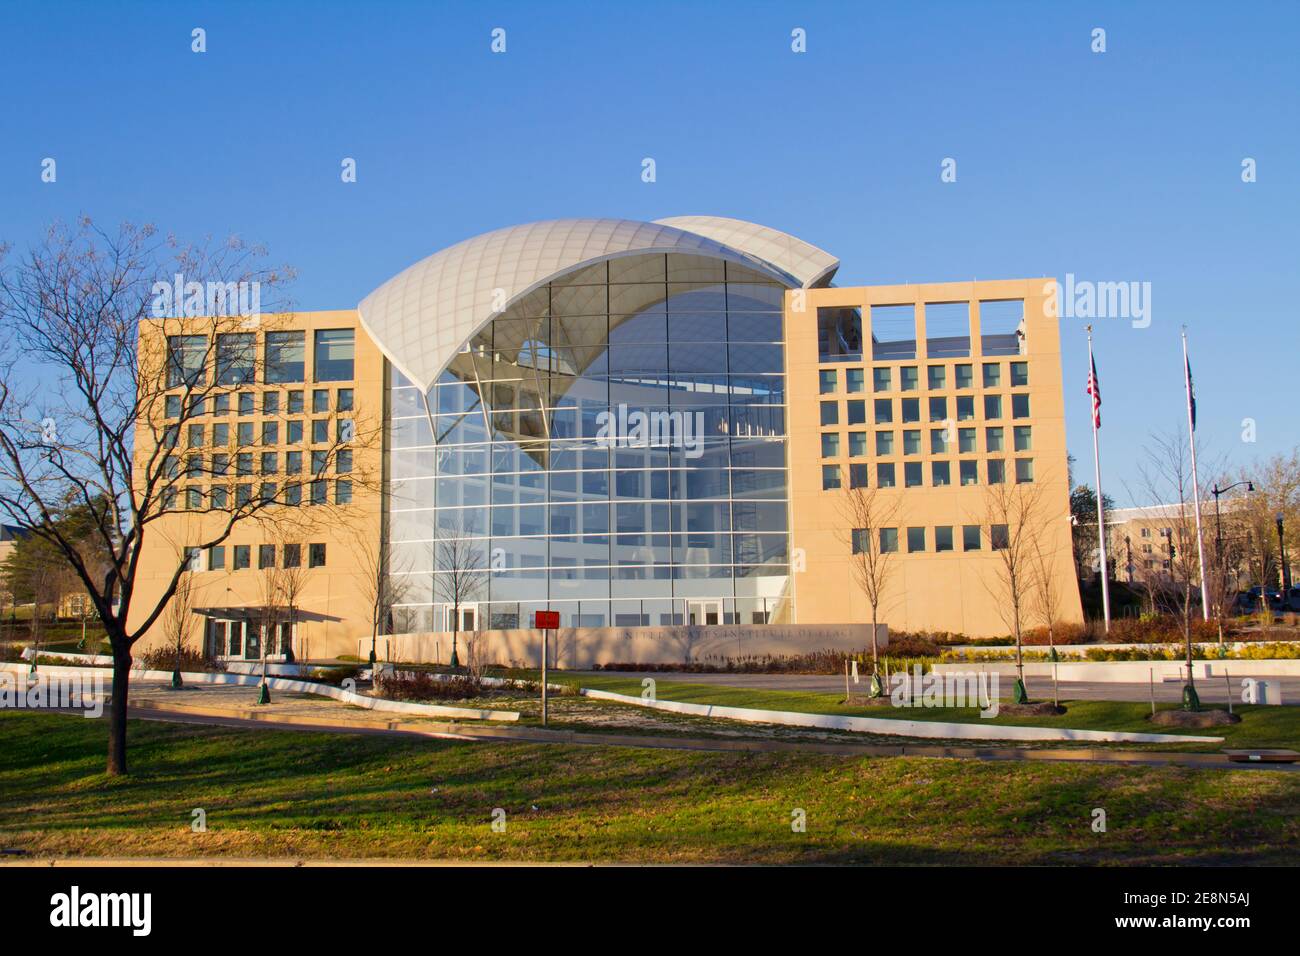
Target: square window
246 401
853 380
1024 471
320 430
966 441
912 474
343 401
319 492
884 411
888 540
858 475
293 462
940 474
244 434
857 444
293 433
830 477
243 557
244 463
320 400
992 407
342 492
884 443
270 403
195 436
319 462
293 494
963 377
827 378
880 379
943 538
907 378
216 558
911 410
219 497
1024 437
857 410
316 555
221 404
292 555
999 539
343 461
993 439
911 442
969 472
173 406
830 413
265 556
938 408
267 492
295 403
270 463
915 540
1019 374
965 407
885 474
997 471
243 495
830 445
335 350
970 537
859 540
1019 406
220 435
937 377
992 374
286 357
270 433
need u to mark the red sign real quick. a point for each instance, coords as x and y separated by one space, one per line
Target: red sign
546 619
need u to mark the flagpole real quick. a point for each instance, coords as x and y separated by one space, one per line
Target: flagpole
1196 485
1101 508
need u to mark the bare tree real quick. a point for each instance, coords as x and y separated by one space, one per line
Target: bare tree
271 613
381 584
867 512
1165 477
1014 519
459 575
101 372
178 620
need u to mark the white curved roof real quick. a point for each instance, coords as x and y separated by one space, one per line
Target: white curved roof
422 316
810 265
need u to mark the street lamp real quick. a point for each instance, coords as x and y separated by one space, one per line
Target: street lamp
1218 540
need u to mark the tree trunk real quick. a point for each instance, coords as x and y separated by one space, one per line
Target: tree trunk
117 710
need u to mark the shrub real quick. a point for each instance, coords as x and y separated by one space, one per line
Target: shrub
333 675
164 659
421 685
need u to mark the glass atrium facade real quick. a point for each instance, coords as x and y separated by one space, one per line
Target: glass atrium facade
613 447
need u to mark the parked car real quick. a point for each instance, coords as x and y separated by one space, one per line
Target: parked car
1293 600
1274 598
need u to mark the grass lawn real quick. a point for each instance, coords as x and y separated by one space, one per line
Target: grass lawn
1259 727
278 793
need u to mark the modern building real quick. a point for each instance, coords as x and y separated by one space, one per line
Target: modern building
638 425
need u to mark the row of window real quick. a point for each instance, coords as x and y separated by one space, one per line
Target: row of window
241 556
882 378
285 358
940 441
940 474
246 403
246 434
268 461
855 409
938 539
219 497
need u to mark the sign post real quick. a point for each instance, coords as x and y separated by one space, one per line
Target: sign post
545 621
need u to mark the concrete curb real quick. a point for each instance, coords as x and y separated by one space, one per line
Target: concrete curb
925 729
288 685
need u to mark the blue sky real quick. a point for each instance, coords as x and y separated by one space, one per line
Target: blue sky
1115 166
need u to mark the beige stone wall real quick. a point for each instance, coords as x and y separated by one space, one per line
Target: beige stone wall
334 604
953 591
579 648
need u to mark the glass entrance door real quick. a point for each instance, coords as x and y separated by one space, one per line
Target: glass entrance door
444 617
703 612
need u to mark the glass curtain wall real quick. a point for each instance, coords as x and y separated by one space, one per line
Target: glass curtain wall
613 447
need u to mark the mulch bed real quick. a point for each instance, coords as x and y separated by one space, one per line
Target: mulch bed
1200 718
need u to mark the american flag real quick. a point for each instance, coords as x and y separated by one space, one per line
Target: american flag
1094 389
